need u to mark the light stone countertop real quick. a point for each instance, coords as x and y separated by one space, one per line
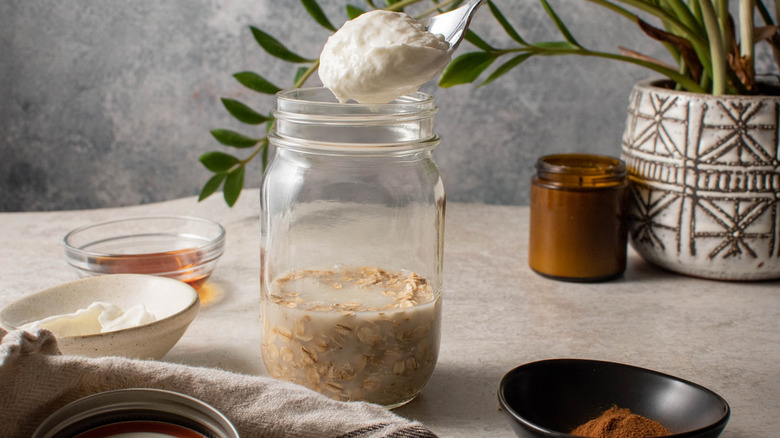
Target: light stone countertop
498 314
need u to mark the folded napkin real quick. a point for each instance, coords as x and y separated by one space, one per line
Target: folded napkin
36 380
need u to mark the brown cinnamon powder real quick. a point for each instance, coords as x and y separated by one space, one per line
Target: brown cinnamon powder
620 423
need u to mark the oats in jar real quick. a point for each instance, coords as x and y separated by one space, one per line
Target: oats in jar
353 333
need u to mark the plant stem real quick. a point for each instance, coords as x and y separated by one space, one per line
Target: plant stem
402 4
723 21
684 14
615 8
673 51
681 22
676 25
307 74
262 144
691 18
686 82
746 41
436 8
716 47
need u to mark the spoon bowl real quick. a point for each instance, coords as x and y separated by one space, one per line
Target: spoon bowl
453 24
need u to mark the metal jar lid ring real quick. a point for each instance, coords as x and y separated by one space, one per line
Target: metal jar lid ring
136 408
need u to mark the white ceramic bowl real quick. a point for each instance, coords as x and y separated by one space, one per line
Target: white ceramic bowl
174 303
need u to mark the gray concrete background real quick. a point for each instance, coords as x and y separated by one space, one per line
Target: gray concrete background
110 102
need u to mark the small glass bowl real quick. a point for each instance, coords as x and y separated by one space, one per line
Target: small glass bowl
180 247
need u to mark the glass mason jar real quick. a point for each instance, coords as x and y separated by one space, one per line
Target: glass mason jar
352 246
577 219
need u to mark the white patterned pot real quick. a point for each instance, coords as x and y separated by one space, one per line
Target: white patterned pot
705 182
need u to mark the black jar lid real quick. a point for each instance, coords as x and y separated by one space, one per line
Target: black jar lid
137 410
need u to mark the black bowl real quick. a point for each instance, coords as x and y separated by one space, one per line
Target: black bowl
549 398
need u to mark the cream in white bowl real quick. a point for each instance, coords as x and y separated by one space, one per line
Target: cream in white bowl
173 303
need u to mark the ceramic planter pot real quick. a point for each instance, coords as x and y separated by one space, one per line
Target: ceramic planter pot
705 182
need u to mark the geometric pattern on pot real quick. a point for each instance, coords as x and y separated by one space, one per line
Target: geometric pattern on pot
705 182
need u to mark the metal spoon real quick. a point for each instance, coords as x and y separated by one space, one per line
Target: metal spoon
453 24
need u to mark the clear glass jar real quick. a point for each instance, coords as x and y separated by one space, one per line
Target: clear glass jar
577 219
352 246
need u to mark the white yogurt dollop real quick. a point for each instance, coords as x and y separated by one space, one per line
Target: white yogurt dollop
99 317
380 56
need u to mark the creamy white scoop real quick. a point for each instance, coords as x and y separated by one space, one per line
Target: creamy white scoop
380 56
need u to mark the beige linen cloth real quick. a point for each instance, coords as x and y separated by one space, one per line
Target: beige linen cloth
36 380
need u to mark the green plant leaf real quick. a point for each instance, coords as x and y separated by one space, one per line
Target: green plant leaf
555 46
477 41
507 66
255 82
275 48
557 20
218 162
313 8
465 68
354 12
234 139
242 112
211 186
299 73
234 183
264 157
508 28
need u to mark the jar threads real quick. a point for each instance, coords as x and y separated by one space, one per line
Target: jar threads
577 218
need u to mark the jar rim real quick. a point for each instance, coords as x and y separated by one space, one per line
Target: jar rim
583 164
314 118
579 170
313 97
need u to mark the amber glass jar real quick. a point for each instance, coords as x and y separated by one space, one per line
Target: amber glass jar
577 229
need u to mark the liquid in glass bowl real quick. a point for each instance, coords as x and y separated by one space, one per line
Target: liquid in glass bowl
184 248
